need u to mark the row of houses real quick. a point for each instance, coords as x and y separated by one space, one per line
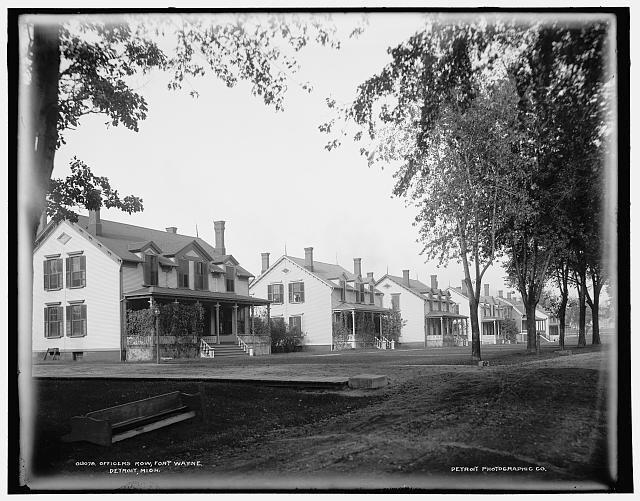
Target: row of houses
90 275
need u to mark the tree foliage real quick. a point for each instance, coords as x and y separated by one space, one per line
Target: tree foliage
83 189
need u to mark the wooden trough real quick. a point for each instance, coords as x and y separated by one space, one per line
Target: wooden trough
110 425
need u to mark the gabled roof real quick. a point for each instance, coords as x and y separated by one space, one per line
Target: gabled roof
325 271
122 238
415 286
518 305
483 299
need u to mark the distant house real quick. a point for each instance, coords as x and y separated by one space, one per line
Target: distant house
519 315
312 295
432 317
88 274
491 311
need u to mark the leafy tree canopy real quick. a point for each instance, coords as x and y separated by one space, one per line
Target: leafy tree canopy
83 189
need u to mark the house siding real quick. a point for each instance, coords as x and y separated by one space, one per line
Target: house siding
316 309
412 310
101 295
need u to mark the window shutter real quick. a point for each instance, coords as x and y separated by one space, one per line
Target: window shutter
270 292
46 275
83 309
68 321
46 322
83 268
302 292
147 271
281 291
60 317
68 265
205 276
291 293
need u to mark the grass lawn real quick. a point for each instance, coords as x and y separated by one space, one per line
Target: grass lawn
547 417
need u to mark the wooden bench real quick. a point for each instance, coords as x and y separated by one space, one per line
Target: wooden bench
54 353
110 425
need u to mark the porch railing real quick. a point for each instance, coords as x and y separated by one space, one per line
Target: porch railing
206 351
243 345
382 343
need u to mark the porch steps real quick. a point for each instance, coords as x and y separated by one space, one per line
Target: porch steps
228 350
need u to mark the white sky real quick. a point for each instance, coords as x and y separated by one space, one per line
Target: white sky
227 156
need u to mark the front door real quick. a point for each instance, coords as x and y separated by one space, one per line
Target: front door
226 324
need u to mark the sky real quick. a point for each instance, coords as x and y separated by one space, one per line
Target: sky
227 156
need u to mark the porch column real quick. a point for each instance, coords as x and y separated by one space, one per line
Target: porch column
217 333
247 309
253 328
381 334
353 328
234 320
269 318
441 327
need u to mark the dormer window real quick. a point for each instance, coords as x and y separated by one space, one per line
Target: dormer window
150 269
343 290
183 273
200 276
230 278
371 294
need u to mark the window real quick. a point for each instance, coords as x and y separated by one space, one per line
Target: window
53 321
183 273
439 306
446 306
343 290
53 274
150 269
230 278
275 293
360 293
77 320
395 302
76 271
200 276
295 323
371 294
296 292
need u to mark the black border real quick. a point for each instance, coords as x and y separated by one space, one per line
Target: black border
624 482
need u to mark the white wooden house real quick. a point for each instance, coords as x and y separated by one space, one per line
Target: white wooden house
312 295
432 317
87 275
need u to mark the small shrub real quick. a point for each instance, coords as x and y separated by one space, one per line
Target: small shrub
283 338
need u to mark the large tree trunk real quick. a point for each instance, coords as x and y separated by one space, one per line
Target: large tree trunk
562 311
39 137
37 140
475 330
595 321
532 335
582 340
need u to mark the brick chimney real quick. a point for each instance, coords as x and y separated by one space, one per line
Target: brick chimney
218 228
172 229
434 282
95 225
499 293
357 266
486 289
509 296
370 276
308 258
265 261
405 278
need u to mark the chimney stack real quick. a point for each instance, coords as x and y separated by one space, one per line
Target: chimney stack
509 296
265 261
308 258
218 228
370 276
486 289
434 282
95 226
172 229
405 278
499 293
357 266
